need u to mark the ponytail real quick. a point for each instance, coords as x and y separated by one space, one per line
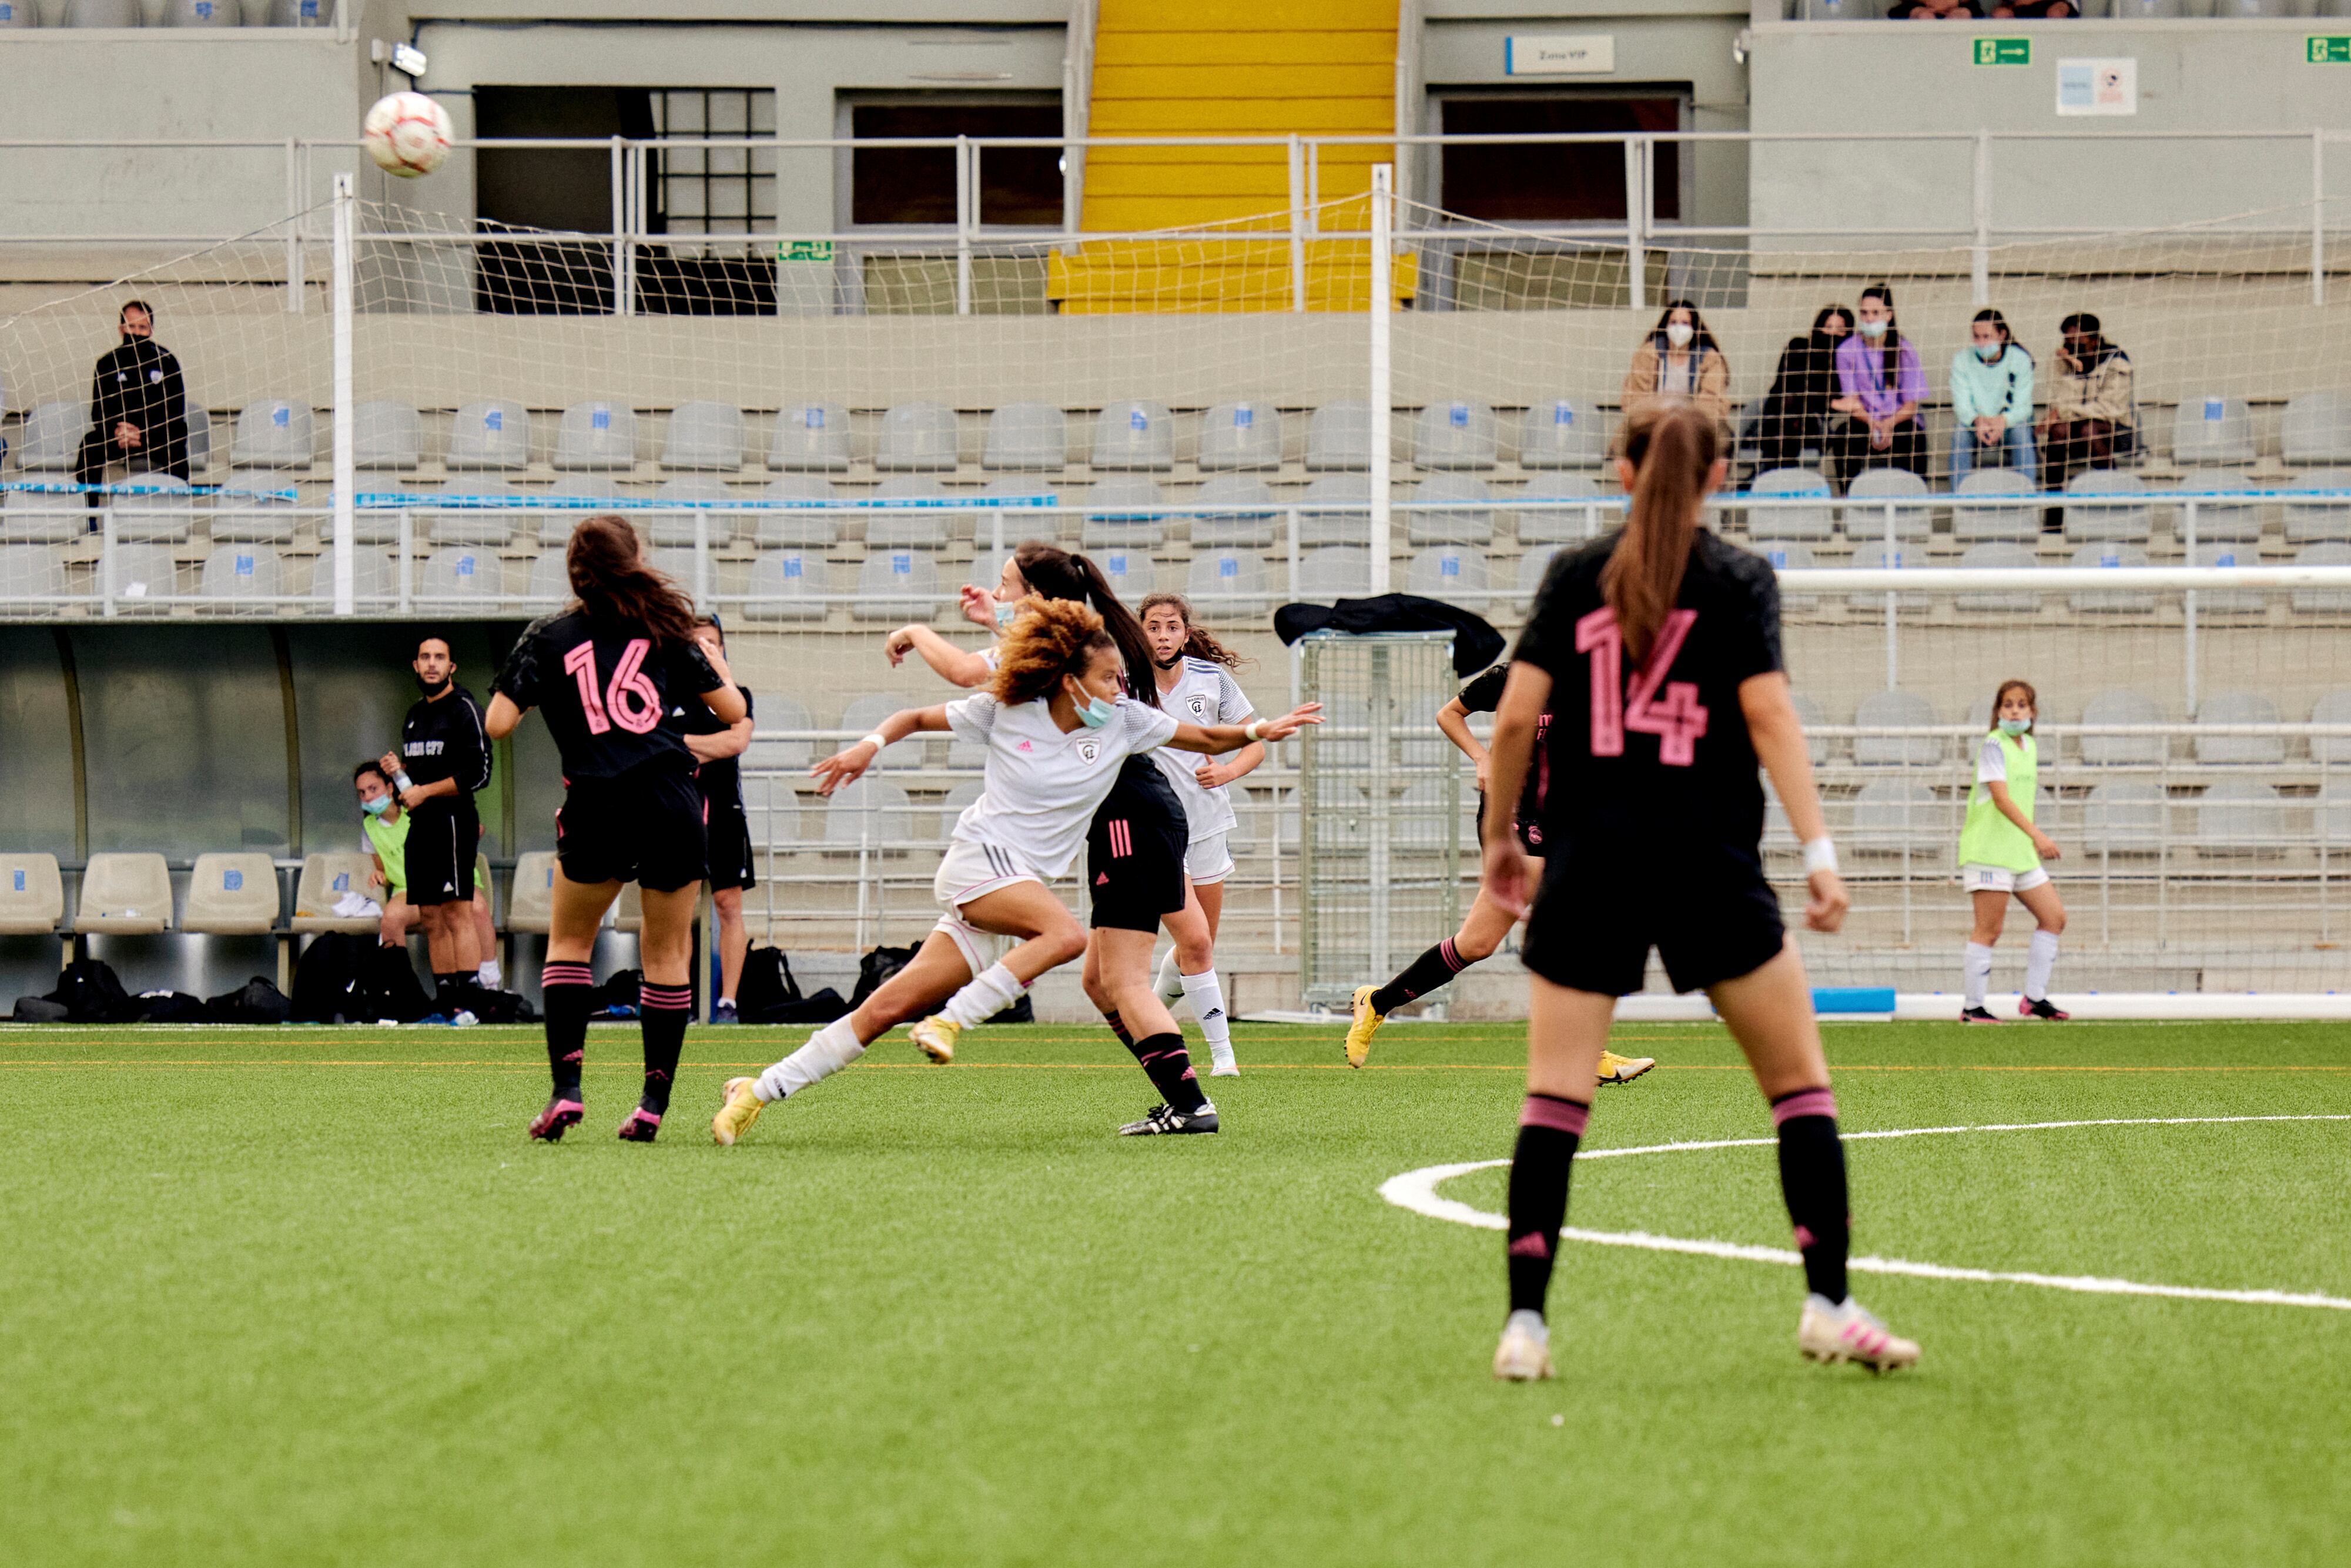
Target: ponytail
1671 443
1197 644
615 587
1055 574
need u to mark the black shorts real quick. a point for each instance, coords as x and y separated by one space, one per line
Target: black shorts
1711 918
730 852
442 845
1134 851
1529 834
644 827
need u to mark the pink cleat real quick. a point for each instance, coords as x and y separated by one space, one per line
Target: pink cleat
560 1116
641 1127
1831 1332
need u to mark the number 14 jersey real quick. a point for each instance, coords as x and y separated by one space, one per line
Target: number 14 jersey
1656 760
606 692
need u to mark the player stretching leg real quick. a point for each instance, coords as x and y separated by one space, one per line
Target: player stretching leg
605 672
1487 923
1056 729
1193 673
1657 653
2000 852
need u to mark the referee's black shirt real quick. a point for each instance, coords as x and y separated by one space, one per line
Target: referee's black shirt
1654 763
445 739
606 692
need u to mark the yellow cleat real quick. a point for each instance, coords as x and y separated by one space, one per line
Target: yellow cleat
1367 1024
1615 1069
734 1117
935 1037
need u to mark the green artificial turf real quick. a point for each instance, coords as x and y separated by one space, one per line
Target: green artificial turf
307 1296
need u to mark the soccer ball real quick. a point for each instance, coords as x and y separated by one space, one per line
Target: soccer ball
407 134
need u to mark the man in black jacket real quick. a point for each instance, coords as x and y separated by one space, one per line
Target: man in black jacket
444 757
138 406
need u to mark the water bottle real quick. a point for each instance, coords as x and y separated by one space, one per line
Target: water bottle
402 782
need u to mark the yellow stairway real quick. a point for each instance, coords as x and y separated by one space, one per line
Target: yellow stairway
1229 68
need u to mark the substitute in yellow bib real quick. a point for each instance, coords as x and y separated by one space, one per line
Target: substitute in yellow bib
2001 854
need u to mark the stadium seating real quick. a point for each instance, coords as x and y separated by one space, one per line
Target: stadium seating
275 434
548 585
698 576
2238 707
794 581
1996 554
51 435
102 14
872 815
2129 525
242 573
2210 428
1338 437
1240 435
1464 527
232 895
1561 526
555 525
1792 522
2320 601
1459 434
147 519
2240 816
1319 525
495 434
2317 428
1027 437
1881 485
596 437
2332 818
530 899
1897 710
1787 555
29 518
1124 510
951 806
705 435
2121 750
1016 523
810 437
2312 521
797 528
1562 433
917 438
199 437
458 578
771 808
144 574
255 520
2334 707
32 895
1817 746
1872 555
1532 566
681 526
898 585
2138 602
1128 571
1227 583
387 436
373 578
916 528
2232 522
2227 600
1332 572
1448 572
2125 817
1252 524
20 13
1971 524
1894 816
1133 436
484 526
326 879
781 710
124 896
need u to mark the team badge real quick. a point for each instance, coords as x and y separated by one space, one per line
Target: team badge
1198 705
1088 751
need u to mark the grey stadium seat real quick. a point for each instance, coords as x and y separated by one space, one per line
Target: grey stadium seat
917 438
1532 566
1873 556
555 525
102 14
374 583
2320 601
810 437
1449 528
678 528
897 585
26 517
460 576
52 434
199 437
2229 601
1897 710
1790 522
1124 510
1818 747
782 711
2233 522
549 587
1893 816
1789 555
2125 817
1128 570
1332 572
2238 707
864 714
916 528
1349 526
2138 602
2131 524
476 525
301 12
325 879
387 436
596 438
1976 524
952 805
2116 707
126 894
1865 513
1240 435
143 575
1561 526
1456 433
2004 555
2240 816
1028 436
796 528
2317 428
1252 522
2335 707
167 516
677 563
275 434
1448 572
243 572
29 575
1227 585
20 13
1018 522
2307 522
495 434
1562 433
705 434
1339 437
871 813
794 581
2210 428
1133 436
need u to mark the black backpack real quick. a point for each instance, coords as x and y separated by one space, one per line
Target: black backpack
323 977
617 996
91 994
37 1009
257 1001
767 985
877 967
388 988
169 1007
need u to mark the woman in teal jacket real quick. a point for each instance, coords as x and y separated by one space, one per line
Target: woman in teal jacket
1991 400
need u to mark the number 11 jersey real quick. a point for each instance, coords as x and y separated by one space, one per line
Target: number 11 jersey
606 692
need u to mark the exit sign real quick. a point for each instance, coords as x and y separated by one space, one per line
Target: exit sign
804 250
2007 51
2329 52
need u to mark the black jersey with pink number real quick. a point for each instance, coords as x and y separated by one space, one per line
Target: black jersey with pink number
1652 761
606 692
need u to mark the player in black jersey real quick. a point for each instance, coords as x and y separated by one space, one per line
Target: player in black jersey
717 748
1656 652
446 757
1483 928
605 672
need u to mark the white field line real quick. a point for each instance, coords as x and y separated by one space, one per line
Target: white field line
1416 1191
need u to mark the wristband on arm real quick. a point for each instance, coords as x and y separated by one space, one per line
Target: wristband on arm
1820 855
878 743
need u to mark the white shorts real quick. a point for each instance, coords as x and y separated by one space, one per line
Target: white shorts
1208 859
973 871
1999 878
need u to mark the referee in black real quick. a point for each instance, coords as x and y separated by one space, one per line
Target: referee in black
446 757
138 406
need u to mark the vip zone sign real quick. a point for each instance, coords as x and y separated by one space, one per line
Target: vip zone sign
1559 54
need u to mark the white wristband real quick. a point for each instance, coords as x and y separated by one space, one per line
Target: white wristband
879 744
1820 854
1249 729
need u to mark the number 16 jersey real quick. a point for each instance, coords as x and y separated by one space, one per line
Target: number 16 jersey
606 692
1653 762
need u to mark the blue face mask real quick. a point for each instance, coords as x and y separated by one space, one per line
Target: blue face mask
1989 353
377 807
2013 728
1094 712
1003 614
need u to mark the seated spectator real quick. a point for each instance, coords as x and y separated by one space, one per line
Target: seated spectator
2091 418
1992 399
1934 11
1680 359
1880 387
138 406
1796 410
2035 11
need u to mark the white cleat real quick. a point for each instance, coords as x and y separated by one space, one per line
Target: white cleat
1222 1064
1524 1354
1830 1333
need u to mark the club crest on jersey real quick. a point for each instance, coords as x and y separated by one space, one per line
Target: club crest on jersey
1090 752
1198 705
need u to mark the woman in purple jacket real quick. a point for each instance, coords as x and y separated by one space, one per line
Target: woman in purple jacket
1880 388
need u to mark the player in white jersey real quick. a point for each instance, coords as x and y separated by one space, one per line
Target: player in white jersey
1194 673
1058 729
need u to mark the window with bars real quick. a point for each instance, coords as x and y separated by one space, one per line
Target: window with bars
712 191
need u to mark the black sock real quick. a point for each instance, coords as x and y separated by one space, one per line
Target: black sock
1812 1178
1550 1128
1422 976
567 995
1170 1066
447 994
662 1012
1118 1028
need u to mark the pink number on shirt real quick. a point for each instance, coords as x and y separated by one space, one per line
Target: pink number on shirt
1677 722
1596 635
580 662
636 704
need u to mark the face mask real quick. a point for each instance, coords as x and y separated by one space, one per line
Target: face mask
1170 662
1094 712
377 807
1003 614
2013 728
1873 329
1680 334
432 688
1989 353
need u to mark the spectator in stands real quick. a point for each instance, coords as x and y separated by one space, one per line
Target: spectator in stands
1880 387
2091 419
138 406
1679 357
1934 11
1991 397
2035 11
1796 410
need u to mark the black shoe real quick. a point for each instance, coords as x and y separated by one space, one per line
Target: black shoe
2043 1010
1977 1015
1165 1118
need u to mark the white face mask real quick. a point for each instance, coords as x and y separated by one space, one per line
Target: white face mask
1873 329
1680 334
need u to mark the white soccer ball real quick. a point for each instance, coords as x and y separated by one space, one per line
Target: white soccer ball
407 134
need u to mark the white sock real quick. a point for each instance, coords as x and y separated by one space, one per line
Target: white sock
2040 958
1979 973
988 994
828 1051
489 975
1208 999
1170 984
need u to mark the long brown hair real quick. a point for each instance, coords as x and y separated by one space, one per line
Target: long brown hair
1671 443
1052 572
1197 644
2031 699
1049 638
615 586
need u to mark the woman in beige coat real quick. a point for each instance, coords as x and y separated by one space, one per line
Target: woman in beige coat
1679 357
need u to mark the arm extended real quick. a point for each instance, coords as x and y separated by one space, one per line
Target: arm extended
1218 738
847 765
955 665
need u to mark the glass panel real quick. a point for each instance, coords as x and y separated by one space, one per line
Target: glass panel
185 733
36 805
